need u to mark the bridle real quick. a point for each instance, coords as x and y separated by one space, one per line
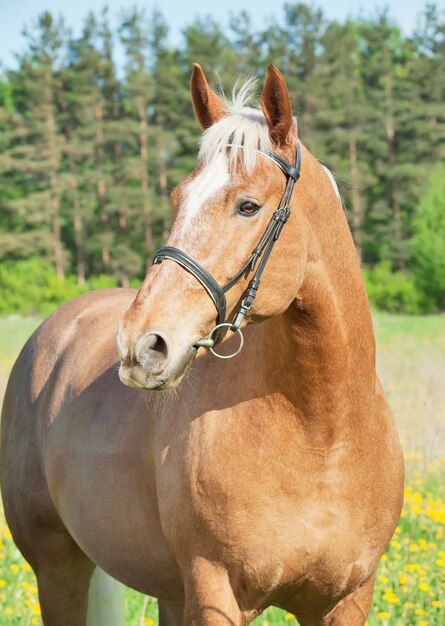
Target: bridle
259 256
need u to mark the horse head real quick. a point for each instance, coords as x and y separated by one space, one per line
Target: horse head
228 214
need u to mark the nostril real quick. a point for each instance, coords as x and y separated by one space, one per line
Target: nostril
152 352
156 343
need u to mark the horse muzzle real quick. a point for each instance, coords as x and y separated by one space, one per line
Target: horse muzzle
155 364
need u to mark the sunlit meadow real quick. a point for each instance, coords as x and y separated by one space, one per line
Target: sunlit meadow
410 587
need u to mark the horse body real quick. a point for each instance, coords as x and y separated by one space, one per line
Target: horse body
275 479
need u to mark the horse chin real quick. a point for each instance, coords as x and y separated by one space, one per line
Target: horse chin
139 378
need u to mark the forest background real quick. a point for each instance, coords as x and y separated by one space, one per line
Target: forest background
90 150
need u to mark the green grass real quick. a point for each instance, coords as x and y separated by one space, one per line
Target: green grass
410 589
415 331
14 331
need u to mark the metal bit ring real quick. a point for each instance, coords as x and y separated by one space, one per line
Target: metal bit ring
228 356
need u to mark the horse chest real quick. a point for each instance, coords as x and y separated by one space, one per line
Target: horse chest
254 496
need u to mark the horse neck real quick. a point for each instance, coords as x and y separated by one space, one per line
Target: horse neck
325 338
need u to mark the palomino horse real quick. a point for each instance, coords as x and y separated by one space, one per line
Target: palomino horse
272 479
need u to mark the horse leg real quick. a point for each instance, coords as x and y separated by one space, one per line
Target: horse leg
210 600
170 614
63 577
354 609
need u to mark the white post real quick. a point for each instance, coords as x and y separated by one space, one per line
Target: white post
106 602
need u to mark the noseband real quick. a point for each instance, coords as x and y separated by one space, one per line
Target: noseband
259 256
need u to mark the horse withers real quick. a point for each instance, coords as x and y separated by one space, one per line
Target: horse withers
221 487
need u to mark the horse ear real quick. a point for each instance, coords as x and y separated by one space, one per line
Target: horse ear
209 108
276 106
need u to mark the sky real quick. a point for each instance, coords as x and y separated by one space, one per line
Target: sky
14 14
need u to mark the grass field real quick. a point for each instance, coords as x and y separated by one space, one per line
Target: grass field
410 589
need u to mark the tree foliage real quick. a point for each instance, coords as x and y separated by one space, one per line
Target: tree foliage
429 239
89 152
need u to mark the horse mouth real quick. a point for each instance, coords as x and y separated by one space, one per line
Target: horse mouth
137 377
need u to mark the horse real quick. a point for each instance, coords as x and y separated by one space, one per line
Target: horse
220 487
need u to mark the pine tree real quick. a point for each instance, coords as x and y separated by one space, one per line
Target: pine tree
429 238
247 49
138 95
428 80
385 58
295 47
34 157
168 105
86 151
342 113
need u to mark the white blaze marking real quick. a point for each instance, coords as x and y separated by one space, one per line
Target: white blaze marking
208 183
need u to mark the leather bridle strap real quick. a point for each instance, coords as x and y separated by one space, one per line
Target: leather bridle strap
200 273
262 251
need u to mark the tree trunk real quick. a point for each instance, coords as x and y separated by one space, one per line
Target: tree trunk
163 185
392 156
57 236
53 180
78 230
357 210
143 150
101 187
434 143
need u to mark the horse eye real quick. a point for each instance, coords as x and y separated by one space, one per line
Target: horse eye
248 208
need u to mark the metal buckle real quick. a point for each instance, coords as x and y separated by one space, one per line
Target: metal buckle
226 356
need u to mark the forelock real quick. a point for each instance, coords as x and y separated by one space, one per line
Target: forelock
242 134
